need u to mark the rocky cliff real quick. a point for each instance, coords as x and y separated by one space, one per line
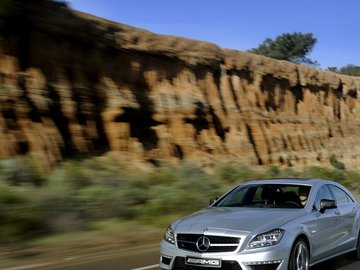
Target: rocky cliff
71 84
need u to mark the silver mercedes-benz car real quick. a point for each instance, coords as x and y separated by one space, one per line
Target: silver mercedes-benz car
276 224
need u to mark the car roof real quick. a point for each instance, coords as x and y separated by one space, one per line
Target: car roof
299 181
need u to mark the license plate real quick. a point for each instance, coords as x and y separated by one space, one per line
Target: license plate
207 262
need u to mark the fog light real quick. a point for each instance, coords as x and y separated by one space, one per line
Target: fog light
265 265
165 259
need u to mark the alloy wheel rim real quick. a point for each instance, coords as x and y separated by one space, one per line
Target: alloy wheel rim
302 257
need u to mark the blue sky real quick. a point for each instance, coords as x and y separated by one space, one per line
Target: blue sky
244 24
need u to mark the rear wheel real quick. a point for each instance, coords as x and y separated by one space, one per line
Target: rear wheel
299 257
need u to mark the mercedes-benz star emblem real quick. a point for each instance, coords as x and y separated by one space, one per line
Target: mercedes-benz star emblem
203 243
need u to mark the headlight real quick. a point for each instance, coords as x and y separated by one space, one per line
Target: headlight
169 235
266 239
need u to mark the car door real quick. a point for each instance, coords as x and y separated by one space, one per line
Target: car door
327 232
347 209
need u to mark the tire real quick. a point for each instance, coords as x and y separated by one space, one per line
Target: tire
299 257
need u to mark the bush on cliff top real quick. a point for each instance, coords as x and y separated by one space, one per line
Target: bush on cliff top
294 47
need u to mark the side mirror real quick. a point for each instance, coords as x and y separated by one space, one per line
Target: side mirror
327 204
213 200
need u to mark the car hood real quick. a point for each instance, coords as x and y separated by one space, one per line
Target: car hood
253 220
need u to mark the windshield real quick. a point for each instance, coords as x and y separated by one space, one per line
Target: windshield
266 195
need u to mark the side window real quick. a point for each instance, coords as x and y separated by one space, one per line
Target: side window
340 195
323 194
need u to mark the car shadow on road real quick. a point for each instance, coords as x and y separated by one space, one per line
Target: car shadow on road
344 262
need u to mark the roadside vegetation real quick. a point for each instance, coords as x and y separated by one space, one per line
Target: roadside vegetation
81 193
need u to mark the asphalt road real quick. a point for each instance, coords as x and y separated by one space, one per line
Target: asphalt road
146 259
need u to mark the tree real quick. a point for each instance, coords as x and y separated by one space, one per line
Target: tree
290 47
351 70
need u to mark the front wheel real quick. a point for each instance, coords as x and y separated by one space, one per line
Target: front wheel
299 257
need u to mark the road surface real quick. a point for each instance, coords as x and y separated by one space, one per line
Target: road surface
144 259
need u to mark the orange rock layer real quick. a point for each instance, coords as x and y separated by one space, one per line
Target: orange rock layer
75 83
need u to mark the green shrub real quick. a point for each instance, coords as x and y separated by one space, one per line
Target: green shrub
353 181
290 173
336 163
101 202
236 173
20 171
80 192
20 219
75 176
163 175
274 171
326 173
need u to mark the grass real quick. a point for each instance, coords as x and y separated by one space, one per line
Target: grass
103 235
102 202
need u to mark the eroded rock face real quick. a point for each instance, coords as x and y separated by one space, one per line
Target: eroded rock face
83 84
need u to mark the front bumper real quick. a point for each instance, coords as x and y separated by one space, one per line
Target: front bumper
268 258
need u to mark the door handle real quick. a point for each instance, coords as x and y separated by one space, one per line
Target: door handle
337 212
354 211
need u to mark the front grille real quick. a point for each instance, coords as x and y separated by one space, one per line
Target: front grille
179 264
217 243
